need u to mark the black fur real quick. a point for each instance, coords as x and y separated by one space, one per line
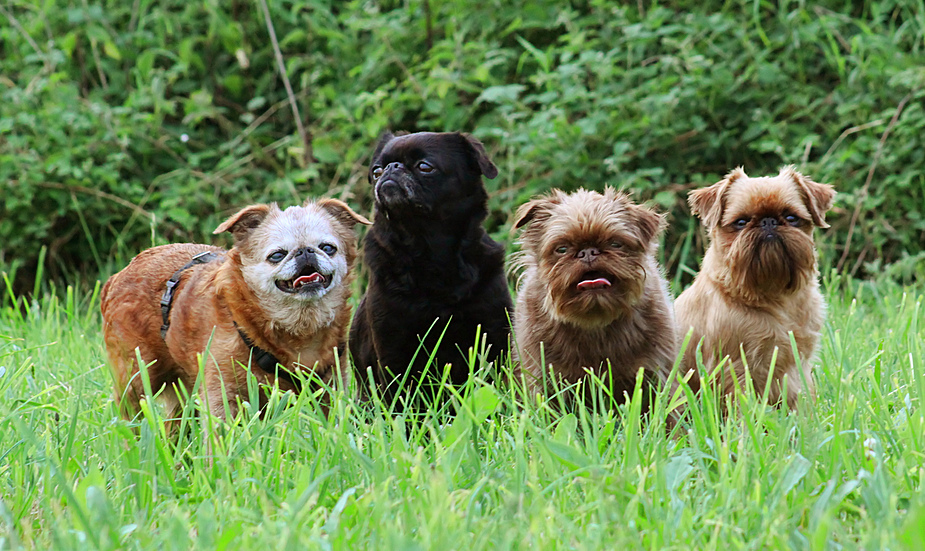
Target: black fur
430 263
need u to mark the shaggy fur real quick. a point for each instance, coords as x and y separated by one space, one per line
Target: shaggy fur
304 329
758 281
434 274
592 297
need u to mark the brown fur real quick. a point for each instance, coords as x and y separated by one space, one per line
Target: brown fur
630 324
753 289
210 299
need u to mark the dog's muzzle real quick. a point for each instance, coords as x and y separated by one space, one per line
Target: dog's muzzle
309 278
394 186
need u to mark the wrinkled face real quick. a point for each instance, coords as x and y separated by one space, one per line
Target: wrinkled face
294 255
592 252
417 172
763 228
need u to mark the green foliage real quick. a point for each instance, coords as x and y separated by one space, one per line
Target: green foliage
123 123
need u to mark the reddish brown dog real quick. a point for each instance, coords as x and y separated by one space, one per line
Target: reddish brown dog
279 295
758 283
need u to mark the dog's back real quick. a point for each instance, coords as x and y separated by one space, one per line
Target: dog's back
132 318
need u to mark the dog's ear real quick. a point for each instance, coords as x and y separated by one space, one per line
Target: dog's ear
648 223
488 168
384 139
817 197
341 212
241 224
536 210
708 203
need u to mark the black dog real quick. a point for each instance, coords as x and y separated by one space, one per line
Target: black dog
435 275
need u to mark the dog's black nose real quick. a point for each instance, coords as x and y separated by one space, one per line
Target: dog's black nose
395 166
304 250
769 223
589 253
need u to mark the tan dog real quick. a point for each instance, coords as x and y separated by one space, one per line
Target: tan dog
592 291
279 295
758 280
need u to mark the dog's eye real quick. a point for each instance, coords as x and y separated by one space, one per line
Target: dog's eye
328 249
277 257
740 223
792 220
616 245
425 167
562 250
377 172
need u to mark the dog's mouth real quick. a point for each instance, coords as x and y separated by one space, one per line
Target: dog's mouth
594 280
771 236
306 281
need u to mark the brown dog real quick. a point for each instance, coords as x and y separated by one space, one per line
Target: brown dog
278 296
758 281
592 296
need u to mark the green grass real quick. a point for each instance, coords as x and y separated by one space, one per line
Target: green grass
845 474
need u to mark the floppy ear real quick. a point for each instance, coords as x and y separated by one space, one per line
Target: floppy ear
817 197
528 211
240 225
384 139
708 203
536 210
488 168
341 212
648 223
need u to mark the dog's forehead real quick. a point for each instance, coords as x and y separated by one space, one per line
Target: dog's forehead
416 146
297 226
764 194
590 215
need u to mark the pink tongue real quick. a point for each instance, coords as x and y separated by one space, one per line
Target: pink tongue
305 280
598 283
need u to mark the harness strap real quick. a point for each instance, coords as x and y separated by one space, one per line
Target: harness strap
167 299
267 361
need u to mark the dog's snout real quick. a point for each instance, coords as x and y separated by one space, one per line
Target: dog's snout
305 251
769 223
395 166
589 254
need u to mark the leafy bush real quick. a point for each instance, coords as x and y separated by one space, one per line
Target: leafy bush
125 124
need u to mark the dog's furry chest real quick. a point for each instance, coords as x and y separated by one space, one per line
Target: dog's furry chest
597 351
445 277
760 330
805 331
623 346
417 296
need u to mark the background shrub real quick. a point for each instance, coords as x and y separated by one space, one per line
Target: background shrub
124 124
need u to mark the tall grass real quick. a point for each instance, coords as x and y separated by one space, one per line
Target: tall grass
506 471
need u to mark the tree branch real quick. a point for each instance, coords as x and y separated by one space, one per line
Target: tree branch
308 156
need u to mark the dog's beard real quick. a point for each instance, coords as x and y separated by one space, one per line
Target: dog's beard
765 266
589 304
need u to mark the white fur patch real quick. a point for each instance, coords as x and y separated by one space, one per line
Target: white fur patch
290 230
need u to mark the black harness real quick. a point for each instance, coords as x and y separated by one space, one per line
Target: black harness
167 299
265 360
